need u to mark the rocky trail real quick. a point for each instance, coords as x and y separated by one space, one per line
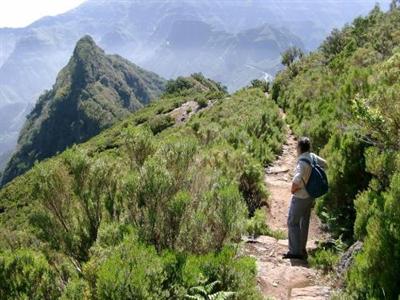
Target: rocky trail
278 278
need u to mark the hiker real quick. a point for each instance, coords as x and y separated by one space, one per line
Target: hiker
302 202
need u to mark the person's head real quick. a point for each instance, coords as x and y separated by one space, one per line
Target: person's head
303 145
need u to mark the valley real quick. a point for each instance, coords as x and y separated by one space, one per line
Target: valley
150 34
126 184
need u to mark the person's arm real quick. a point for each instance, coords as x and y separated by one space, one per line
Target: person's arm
297 182
322 162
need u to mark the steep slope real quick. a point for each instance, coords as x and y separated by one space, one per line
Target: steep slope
91 93
234 59
30 57
345 96
149 208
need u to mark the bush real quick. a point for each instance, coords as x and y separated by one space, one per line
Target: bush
139 144
252 187
160 123
324 259
257 225
377 265
178 85
26 274
76 289
132 271
73 196
261 84
178 197
201 101
235 274
352 84
213 219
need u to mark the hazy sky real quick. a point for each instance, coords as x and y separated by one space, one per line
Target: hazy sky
19 13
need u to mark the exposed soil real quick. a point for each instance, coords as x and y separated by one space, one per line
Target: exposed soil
183 113
278 278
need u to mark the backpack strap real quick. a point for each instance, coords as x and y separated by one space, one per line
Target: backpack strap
305 160
310 163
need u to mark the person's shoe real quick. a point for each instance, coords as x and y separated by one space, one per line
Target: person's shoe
292 256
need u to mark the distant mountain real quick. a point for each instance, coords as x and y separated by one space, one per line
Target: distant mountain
233 59
91 93
139 30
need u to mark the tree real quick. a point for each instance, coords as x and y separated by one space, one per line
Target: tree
290 55
394 4
263 84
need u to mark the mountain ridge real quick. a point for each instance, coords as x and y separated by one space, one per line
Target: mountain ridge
136 30
91 93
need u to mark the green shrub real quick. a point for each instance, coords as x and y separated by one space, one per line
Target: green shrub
139 144
252 187
76 289
377 265
224 206
73 196
131 272
202 101
26 274
323 259
160 123
235 274
257 225
262 84
178 85
345 97
180 196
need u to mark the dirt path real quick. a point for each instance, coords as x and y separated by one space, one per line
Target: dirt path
278 278
278 180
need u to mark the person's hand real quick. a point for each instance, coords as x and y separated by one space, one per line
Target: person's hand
295 187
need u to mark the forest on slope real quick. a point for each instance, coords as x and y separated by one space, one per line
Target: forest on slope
345 96
148 209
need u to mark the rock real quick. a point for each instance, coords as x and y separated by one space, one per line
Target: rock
315 292
347 258
277 170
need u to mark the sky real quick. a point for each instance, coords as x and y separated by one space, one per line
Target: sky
20 13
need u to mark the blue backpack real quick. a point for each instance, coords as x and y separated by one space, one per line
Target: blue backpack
317 184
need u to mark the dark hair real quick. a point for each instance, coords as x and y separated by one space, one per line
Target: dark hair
304 144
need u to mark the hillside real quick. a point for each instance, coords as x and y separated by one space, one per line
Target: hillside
91 93
148 209
31 57
345 96
187 197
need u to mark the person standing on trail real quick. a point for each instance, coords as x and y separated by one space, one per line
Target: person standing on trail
301 202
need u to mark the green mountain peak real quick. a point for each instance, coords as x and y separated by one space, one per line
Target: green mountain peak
91 93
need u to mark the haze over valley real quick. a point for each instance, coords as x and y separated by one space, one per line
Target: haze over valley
229 41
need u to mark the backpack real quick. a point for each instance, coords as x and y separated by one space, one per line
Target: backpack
317 184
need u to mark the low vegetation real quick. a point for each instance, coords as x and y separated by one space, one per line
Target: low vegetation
147 209
345 97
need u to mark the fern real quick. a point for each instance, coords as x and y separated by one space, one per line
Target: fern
206 292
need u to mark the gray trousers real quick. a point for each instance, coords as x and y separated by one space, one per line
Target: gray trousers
298 223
